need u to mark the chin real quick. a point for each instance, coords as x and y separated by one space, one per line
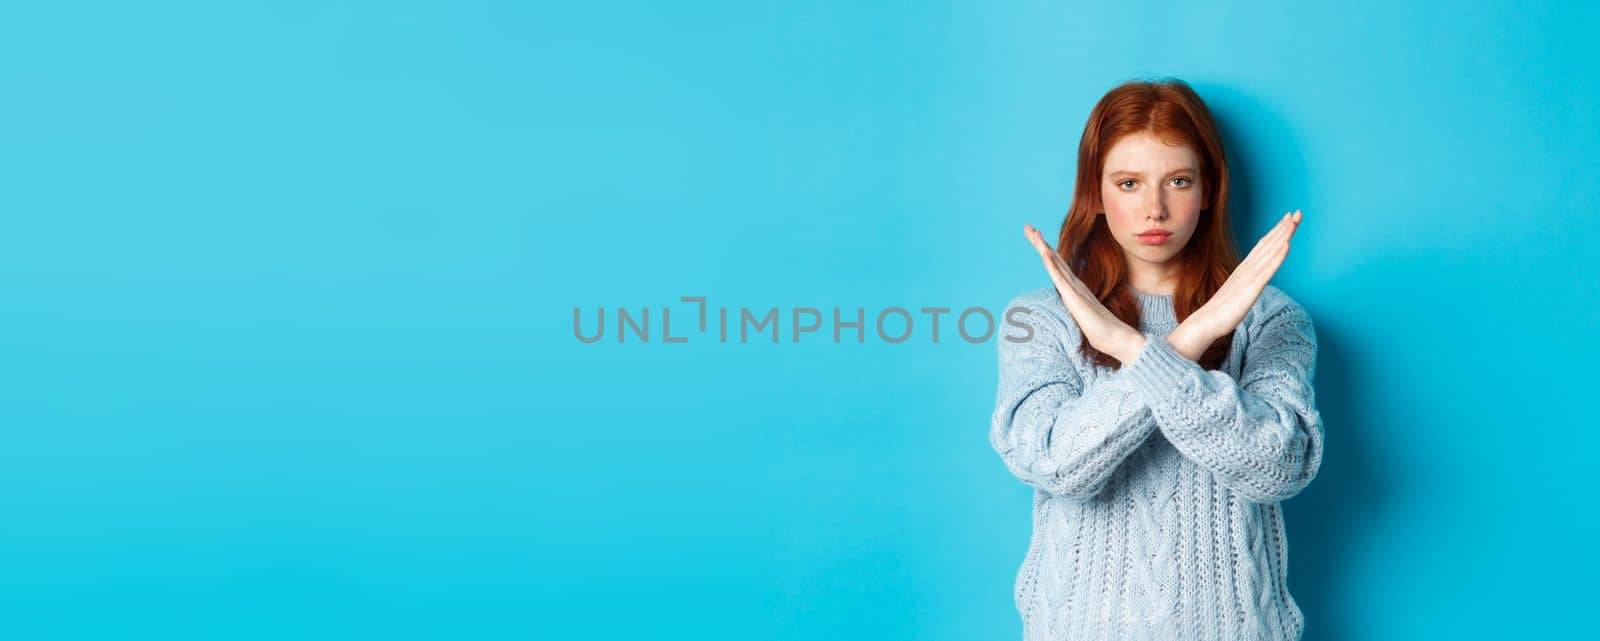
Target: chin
1157 255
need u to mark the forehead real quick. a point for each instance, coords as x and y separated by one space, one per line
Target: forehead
1144 153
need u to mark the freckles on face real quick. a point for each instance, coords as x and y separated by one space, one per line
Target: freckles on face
1147 183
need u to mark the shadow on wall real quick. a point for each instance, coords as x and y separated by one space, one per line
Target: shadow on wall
1324 522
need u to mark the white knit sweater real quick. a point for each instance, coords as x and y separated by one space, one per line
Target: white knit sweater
1156 485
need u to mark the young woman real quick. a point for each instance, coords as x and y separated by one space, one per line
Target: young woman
1161 405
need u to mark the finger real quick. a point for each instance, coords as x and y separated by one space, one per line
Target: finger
1291 222
1066 283
1063 284
1086 299
1284 226
1074 293
1050 253
1052 261
1270 250
1264 259
1064 270
1037 240
1271 267
1266 239
1062 273
1283 235
1072 278
1278 233
1267 268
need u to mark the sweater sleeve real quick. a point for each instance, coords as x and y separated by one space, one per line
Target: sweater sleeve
1055 431
1261 435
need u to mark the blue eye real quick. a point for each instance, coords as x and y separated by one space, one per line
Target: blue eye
1186 182
1125 182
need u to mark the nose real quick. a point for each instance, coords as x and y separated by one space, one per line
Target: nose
1156 209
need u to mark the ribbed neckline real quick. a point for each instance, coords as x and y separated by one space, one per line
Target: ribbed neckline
1157 308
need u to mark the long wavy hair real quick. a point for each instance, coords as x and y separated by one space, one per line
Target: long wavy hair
1171 111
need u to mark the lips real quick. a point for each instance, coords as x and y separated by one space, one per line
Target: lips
1154 237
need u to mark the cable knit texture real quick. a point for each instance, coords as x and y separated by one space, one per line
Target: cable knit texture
1157 485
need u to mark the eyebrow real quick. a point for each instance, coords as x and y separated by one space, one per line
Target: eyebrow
1189 170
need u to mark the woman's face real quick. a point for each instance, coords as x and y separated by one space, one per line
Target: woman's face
1148 184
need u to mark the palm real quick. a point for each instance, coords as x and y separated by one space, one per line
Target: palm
1228 306
1099 326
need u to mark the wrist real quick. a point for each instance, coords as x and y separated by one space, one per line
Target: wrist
1131 344
1189 342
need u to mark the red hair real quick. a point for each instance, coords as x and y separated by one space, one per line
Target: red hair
1174 113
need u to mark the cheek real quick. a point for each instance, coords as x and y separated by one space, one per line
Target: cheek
1124 220
1121 210
1190 209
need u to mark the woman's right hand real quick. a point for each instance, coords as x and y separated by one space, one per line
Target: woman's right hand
1220 315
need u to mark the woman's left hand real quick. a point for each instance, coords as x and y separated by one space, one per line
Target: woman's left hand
1100 327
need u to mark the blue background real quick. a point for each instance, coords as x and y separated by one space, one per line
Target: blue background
288 294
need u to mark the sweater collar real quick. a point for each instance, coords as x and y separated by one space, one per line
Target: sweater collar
1156 309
